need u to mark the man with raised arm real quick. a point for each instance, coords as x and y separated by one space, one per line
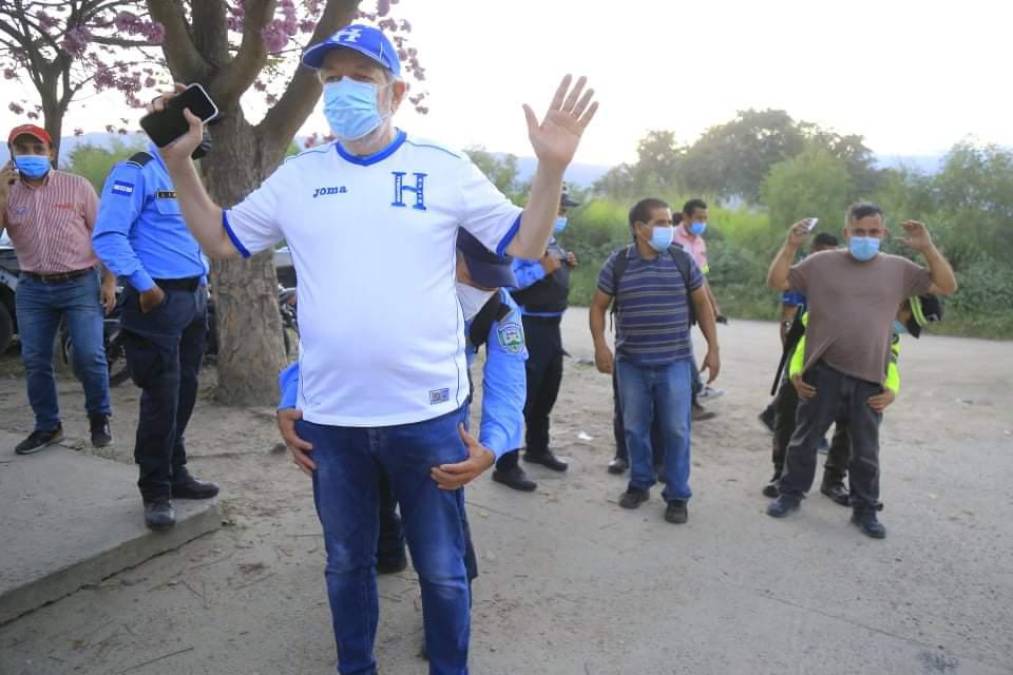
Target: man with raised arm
386 390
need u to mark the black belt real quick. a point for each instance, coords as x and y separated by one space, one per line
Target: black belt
190 284
543 319
59 277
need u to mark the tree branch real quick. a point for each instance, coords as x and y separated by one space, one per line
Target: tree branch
185 63
282 121
121 42
240 73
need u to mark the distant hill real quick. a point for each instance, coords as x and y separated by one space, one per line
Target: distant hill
582 175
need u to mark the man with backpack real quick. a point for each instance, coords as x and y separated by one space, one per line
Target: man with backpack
656 287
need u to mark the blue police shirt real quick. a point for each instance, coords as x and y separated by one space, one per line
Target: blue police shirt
528 273
139 232
504 383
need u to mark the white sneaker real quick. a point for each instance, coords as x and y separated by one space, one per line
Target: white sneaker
710 392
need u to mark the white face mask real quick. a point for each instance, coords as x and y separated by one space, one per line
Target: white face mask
472 299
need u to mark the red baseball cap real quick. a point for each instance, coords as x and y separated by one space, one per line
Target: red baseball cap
30 130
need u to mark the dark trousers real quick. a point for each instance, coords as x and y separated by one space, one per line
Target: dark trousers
164 349
544 369
785 410
619 431
838 397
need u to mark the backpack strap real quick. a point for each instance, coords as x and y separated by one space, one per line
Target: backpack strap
140 158
493 310
681 259
618 270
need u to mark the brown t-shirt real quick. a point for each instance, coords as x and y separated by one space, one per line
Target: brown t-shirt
852 306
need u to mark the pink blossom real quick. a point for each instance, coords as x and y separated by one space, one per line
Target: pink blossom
15 108
274 36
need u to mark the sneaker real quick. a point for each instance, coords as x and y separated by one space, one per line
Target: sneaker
772 488
101 434
618 466
782 506
514 478
39 440
676 512
836 491
710 392
633 498
866 521
159 514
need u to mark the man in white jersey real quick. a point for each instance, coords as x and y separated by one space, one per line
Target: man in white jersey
385 389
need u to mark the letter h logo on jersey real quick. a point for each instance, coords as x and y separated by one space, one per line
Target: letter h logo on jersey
400 188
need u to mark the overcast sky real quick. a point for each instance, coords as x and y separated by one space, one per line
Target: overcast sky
913 77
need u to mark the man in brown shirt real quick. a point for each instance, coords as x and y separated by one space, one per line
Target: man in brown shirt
50 215
853 297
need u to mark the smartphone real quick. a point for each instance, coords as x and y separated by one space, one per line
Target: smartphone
167 125
811 225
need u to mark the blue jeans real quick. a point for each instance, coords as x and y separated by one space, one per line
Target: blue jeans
665 393
39 308
345 489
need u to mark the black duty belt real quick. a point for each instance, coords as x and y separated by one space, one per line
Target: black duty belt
58 277
190 284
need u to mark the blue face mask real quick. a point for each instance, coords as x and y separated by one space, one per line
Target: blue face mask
899 328
32 166
662 237
863 248
351 108
559 225
697 227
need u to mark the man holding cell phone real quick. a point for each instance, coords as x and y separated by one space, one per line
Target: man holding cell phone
50 215
140 235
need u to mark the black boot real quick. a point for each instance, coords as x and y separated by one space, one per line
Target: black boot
101 434
618 466
546 459
865 519
834 488
159 514
515 478
185 486
771 489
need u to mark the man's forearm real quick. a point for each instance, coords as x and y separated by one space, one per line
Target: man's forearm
706 318
539 214
597 321
202 215
943 277
777 275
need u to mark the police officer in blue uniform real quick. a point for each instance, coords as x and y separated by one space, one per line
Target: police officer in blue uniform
492 318
542 291
140 235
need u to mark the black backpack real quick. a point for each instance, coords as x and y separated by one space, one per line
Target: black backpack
682 262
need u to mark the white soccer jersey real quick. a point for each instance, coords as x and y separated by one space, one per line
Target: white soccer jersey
373 241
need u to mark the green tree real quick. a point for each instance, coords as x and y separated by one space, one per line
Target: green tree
500 169
95 162
814 183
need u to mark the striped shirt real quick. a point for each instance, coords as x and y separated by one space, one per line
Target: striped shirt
652 315
51 224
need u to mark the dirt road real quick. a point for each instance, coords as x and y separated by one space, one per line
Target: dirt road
570 583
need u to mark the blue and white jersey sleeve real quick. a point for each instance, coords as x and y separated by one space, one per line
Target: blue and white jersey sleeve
504 383
485 212
253 224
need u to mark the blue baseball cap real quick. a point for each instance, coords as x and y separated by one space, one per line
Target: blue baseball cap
485 267
364 39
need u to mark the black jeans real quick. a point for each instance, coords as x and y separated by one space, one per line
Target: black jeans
544 369
164 349
838 397
620 431
785 409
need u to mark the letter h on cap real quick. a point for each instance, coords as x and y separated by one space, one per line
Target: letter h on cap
400 188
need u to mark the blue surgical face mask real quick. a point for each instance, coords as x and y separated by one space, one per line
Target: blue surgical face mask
559 225
662 237
863 248
351 108
899 328
32 166
697 227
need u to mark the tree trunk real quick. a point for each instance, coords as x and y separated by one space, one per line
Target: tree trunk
52 115
245 292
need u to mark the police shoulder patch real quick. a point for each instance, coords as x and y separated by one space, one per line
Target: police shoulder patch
122 188
510 336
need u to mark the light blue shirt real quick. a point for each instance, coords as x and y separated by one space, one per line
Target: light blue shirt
140 233
504 382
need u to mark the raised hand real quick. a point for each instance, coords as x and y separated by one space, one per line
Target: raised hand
556 137
182 148
917 235
798 234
